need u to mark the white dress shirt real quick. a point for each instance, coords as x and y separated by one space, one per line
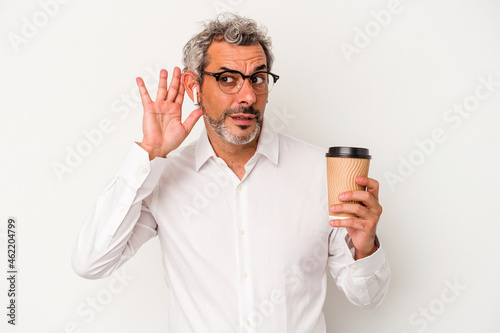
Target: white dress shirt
238 256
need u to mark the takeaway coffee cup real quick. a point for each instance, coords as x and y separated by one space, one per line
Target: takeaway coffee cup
343 165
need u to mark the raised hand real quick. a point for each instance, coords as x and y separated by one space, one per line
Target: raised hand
162 124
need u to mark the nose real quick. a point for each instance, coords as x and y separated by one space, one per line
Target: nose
246 94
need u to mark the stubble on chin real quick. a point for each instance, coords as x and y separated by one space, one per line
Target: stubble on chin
220 127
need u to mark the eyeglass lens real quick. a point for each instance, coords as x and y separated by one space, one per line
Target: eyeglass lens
231 83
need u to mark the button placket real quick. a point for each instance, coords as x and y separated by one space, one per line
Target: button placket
244 251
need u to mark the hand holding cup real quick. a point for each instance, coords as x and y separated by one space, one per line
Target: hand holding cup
351 206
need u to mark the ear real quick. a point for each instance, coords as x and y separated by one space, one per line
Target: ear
190 82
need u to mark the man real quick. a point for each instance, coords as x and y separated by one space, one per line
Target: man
241 214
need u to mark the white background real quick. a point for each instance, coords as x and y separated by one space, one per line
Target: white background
76 68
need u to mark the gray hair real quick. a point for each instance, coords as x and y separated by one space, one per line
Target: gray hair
228 27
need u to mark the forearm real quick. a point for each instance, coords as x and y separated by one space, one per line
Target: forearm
121 221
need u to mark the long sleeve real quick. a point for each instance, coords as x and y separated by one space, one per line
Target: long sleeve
120 221
365 282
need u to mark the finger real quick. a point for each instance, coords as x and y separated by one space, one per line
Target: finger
356 209
143 91
371 184
348 223
161 95
180 95
192 119
174 85
367 198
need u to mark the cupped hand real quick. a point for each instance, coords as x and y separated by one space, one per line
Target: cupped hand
162 124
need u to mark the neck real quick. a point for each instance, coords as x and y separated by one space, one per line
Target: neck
235 156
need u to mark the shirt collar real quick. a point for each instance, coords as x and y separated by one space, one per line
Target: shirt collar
268 146
203 150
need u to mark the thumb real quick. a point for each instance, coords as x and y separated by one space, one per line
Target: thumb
192 119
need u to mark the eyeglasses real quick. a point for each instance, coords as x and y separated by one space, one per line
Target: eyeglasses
230 82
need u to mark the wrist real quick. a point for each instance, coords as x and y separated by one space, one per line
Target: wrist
367 251
360 255
153 152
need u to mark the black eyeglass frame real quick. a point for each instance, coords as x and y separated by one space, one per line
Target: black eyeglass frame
218 75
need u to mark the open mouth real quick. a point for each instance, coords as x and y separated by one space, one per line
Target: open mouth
242 116
247 118
242 119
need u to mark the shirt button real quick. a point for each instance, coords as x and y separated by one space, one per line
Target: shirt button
239 187
145 170
244 275
354 267
360 291
247 322
242 232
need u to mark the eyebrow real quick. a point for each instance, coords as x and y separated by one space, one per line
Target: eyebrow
258 68
261 67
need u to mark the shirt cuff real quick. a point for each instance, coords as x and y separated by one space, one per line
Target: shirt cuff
368 274
374 263
138 171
